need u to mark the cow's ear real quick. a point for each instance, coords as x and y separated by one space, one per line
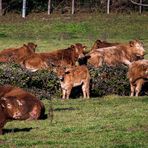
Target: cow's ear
25 45
84 47
67 72
99 41
3 98
72 46
131 43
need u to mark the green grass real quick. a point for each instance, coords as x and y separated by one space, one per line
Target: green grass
111 121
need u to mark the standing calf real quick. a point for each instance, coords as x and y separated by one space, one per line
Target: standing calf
74 76
138 75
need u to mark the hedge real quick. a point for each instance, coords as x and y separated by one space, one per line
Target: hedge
44 84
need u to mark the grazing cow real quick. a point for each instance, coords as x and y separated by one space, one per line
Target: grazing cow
62 57
72 77
18 104
17 54
102 44
138 75
114 55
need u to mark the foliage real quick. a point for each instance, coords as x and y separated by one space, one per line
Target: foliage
41 83
109 80
45 84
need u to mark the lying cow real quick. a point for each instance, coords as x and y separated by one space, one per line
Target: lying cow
72 77
138 75
17 54
114 55
15 103
62 57
102 44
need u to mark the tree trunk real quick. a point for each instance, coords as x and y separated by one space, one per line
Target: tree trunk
108 5
73 6
24 9
49 7
1 9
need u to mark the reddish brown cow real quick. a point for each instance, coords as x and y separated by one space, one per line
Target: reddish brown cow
138 75
62 57
102 44
72 77
15 103
17 54
119 54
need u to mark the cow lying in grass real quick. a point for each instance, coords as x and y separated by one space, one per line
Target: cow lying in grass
72 77
17 54
114 55
17 104
62 57
102 44
138 75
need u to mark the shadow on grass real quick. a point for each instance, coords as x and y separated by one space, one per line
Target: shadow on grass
66 109
15 130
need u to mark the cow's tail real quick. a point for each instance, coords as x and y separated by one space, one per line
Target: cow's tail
50 112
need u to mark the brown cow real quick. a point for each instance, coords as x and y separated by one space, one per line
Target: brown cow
62 57
18 104
72 77
17 54
119 54
102 44
138 75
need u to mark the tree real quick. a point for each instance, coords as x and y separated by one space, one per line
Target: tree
1 13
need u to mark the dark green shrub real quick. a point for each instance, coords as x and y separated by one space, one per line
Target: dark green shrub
109 80
44 84
41 83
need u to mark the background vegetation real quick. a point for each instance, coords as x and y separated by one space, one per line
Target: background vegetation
110 121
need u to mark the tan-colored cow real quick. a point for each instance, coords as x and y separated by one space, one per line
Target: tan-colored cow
62 57
138 75
114 55
72 77
17 54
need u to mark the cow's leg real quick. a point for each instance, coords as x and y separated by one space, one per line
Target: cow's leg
139 84
132 89
1 131
84 91
64 94
68 92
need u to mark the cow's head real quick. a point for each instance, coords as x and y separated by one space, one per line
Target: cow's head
31 46
62 72
12 106
137 49
79 50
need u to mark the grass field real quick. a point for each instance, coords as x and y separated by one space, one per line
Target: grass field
110 121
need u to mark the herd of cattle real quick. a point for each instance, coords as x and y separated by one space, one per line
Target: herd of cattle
16 103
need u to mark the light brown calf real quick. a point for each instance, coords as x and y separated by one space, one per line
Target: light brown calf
74 76
138 75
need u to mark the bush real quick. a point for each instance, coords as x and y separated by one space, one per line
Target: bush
44 84
109 80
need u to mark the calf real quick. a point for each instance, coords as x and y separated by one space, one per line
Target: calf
137 75
18 104
74 76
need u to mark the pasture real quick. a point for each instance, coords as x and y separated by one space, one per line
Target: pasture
109 121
